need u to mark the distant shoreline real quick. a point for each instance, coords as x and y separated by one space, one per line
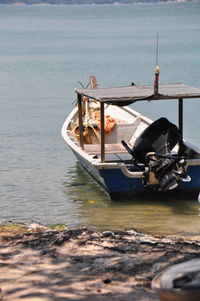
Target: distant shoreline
88 2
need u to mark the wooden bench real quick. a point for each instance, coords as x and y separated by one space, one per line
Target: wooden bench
111 148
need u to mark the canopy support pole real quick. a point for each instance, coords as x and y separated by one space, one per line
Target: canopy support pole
80 120
180 115
102 133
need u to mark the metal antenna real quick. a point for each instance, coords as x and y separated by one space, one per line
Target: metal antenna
156 73
157 50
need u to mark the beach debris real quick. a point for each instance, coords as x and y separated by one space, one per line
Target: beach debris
91 201
78 200
88 201
77 184
107 280
107 233
32 225
75 189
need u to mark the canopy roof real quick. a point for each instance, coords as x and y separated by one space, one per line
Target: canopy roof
127 95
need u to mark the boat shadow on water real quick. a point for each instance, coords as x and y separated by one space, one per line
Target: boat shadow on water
167 196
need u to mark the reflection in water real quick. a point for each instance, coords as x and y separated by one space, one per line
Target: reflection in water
95 210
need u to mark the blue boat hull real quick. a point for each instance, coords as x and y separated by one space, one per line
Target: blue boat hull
119 186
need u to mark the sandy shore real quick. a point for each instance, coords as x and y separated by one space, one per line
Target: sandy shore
38 263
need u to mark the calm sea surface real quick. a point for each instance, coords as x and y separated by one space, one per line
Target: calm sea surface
44 52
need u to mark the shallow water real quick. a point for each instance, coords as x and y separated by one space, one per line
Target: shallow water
44 52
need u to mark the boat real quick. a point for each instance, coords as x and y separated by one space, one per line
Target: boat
127 153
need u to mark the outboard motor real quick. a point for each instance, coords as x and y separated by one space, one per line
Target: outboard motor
153 148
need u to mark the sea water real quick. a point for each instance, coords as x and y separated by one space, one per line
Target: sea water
44 52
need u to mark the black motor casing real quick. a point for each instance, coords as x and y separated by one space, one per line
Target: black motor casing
160 137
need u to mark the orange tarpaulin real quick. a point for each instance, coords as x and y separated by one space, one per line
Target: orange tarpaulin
109 122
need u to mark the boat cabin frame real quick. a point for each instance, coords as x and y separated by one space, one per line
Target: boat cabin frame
122 96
